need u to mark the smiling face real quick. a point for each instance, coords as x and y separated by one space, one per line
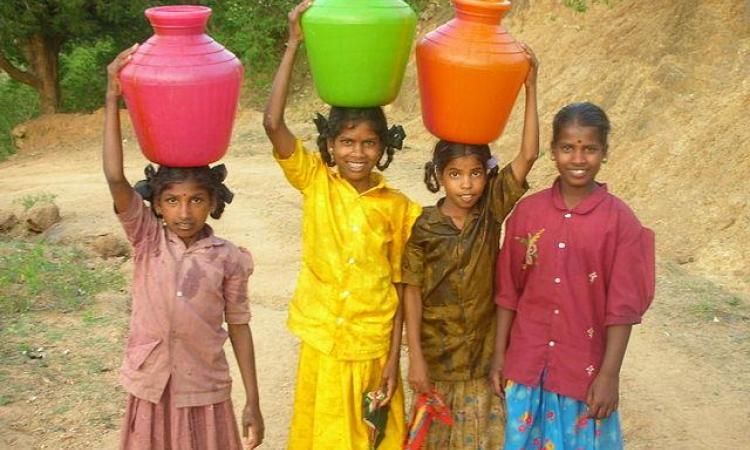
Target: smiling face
184 206
463 179
578 153
356 151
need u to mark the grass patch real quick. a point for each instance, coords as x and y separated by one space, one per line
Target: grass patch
699 297
60 343
39 276
29 201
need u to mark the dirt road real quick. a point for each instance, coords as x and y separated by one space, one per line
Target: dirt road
685 383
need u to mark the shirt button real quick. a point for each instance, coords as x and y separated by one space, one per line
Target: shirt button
557 281
345 294
551 343
339 320
561 245
351 261
557 311
179 293
355 229
568 215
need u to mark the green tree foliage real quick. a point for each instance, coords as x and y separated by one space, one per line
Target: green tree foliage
18 103
33 33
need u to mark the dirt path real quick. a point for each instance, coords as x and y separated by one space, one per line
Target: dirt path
685 381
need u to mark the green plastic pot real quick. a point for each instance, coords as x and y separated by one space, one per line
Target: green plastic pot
358 49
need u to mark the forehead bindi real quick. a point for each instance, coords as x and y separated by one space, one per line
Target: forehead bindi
581 135
185 189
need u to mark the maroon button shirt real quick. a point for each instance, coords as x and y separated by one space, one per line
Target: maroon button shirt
181 298
568 274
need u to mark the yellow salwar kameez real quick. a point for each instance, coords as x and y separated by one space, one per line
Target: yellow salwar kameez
344 304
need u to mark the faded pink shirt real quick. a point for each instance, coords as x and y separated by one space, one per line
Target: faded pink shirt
569 274
181 298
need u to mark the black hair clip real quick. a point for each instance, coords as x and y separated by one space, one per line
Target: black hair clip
219 172
321 123
143 187
396 135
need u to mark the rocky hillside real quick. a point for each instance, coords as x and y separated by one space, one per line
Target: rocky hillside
674 77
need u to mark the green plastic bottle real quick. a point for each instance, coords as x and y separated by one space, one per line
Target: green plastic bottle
358 49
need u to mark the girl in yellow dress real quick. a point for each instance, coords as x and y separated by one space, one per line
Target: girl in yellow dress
347 306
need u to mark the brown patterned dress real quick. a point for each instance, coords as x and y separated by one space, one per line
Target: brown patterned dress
455 270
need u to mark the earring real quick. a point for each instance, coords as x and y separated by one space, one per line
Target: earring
330 149
604 160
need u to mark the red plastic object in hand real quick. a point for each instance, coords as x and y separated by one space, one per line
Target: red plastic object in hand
427 408
181 89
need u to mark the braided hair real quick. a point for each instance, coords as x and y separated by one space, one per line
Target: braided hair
209 178
341 118
446 152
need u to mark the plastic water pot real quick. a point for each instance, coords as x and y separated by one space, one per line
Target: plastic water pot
358 49
469 72
181 89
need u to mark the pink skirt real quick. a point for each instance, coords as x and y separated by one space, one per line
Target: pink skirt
162 426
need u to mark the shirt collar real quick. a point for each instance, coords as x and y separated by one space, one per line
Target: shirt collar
434 215
207 238
587 204
377 179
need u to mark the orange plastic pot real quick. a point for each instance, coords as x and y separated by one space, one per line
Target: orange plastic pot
470 71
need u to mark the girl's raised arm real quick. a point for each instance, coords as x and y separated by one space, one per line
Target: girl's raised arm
119 187
273 120
522 163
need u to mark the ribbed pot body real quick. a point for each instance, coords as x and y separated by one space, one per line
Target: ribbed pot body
182 89
469 72
358 50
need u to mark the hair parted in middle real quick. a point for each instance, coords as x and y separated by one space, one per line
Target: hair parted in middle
445 152
341 118
209 178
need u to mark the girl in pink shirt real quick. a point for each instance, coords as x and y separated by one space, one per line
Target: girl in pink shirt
186 284
576 271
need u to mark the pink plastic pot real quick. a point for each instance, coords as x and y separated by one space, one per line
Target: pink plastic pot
181 89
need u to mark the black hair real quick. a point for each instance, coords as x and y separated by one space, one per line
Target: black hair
584 114
445 152
341 117
209 178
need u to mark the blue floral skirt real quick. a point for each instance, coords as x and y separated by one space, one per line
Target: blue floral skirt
542 420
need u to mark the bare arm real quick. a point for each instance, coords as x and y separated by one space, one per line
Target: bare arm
273 119
525 159
252 420
112 160
604 393
419 377
390 371
505 318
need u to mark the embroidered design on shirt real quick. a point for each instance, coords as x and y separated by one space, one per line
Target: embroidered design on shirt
592 277
590 333
532 251
590 370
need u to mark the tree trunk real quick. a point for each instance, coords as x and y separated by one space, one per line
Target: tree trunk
42 54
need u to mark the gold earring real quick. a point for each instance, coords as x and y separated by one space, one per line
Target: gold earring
604 160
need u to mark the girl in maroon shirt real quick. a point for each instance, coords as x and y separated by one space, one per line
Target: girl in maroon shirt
576 271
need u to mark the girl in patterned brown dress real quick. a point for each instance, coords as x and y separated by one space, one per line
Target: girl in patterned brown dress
448 269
